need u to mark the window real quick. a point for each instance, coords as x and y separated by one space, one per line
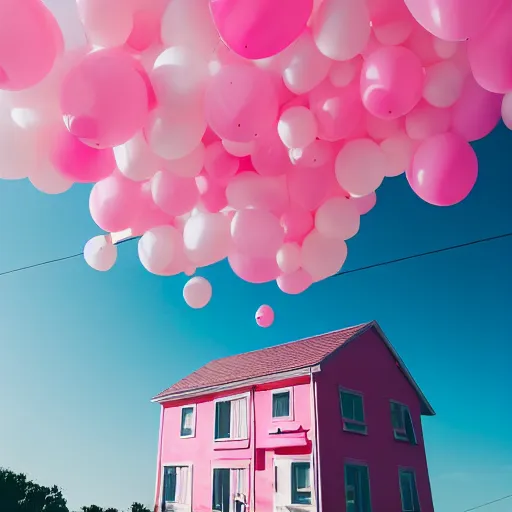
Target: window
229 489
231 419
357 488
352 412
301 483
408 491
188 421
402 423
176 485
281 404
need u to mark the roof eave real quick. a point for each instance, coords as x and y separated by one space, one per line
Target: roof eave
275 377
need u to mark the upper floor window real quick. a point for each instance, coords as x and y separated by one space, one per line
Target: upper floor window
403 428
357 488
301 483
352 412
231 419
282 404
408 491
188 421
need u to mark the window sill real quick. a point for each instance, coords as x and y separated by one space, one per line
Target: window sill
191 436
346 428
230 444
282 418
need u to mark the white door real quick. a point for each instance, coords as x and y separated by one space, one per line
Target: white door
293 481
282 484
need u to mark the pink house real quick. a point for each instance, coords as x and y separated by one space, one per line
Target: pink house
330 423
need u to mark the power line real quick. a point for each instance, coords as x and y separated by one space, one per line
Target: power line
489 503
351 271
428 253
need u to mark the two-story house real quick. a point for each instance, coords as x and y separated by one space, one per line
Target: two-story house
330 423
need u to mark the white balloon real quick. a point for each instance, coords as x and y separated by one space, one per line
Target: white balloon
135 159
175 134
337 218
207 238
289 258
341 28
48 180
297 127
100 253
197 292
443 84
360 167
305 66
66 14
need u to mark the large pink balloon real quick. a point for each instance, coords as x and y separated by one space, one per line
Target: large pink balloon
79 162
477 111
212 193
309 187
104 99
257 233
241 103
30 40
295 283
256 29
173 194
113 203
453 20
444 170
149 214
297 222
490 53
338 110
392 81
270 156
254 270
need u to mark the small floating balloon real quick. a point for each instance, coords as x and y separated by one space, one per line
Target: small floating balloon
265 316
100 253
197 292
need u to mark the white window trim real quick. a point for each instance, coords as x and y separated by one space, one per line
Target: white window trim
229 399
344 420
233 464
188 465
194 416
290 416
404 439
413 472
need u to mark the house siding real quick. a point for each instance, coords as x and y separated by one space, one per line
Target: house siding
366 365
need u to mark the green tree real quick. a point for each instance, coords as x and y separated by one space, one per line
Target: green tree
92 508
138 507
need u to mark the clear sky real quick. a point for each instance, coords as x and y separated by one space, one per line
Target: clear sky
82 353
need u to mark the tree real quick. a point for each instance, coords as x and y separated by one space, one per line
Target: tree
92 508
138 507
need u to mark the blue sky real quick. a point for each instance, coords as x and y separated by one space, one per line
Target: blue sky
82 353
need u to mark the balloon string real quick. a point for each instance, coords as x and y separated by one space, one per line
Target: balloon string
351 271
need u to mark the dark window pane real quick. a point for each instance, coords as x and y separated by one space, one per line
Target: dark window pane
187 417
223 420
409 429
281 404
408 492
397 417
301 483
169 494
357 488
221 492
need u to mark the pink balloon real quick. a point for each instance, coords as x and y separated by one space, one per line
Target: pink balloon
197 292
254 270
219 164
30 40
477 112
270 156
264 316
318 154
444 170
380 129
295 283
365 203
113 203
426 120
241 103
338 110
146 26
257 233
421 43
453 20
490 53
391 82
104 99
212 193
309 187
297 222
392 23
149 214
173 194
81 163
256 29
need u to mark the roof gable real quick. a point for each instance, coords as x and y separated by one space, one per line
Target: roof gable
277 360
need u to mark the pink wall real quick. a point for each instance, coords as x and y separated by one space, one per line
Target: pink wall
204 453
367 366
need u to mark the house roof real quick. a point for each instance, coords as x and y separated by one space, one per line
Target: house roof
278 359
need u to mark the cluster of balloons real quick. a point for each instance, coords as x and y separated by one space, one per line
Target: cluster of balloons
252 130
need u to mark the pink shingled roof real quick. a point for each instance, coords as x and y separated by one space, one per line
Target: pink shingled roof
268 361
